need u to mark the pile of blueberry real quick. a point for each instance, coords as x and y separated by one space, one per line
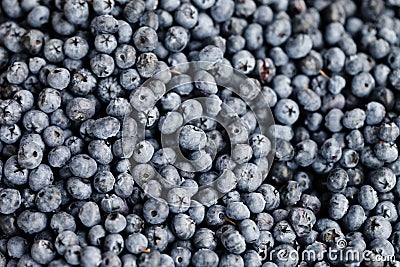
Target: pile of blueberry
98 99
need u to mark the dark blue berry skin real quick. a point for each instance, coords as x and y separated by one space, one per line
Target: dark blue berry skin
278 32
298 46
205 257
82 166
133 11
10 112
72 110
181 256
102 65
31 222
80 109
176 39
286 111
10 199
155 211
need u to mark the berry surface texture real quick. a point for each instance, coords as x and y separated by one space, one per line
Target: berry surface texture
199 133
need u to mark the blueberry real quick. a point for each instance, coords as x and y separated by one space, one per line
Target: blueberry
253 35
43 251
205 257
10 134
155 211
334 59
40 177
170 101
298 46
386 152
17 246
204 239
183 226
249 177
145 39
291 193
244 61
127 260
278 32
102 65
354 118
147 64
61 25
136 243
109 258
205 82
80 109
10 112
167 260
377 227
157 237
90 256
48 199
82 166
222 10
89 214
181 256
82 82
186 15
286 111
12 9
103 181
30 155
150 19
108 89
235 43
309 99
152 258
387 210
112 242
25 99
103 7
382 179
53 50
381 73
176 39
72 254
96 233
12 39
338 206
178 200
115 223
237 211
233 241
59 156
105 127
170 123
249 230
369 159
362 84
33 41
124 33
10 200
76 11
388 132
64 240
125 56
3 57
62 221
31 222
133 11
